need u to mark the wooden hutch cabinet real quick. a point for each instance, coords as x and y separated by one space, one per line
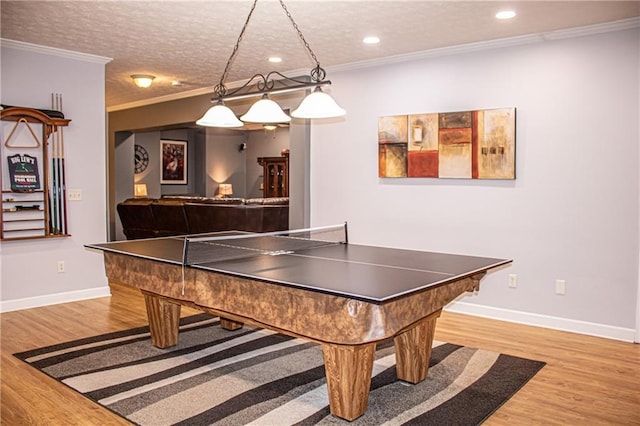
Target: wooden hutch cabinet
275 176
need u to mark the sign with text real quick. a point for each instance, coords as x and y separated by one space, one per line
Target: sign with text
23 172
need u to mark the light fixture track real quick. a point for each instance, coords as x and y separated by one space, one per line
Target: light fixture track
266 83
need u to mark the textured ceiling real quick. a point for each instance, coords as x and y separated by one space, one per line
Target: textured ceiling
190 41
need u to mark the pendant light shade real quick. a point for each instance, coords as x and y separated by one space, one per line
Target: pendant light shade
318 105
265 111
219 115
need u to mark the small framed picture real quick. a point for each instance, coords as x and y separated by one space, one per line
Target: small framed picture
173 162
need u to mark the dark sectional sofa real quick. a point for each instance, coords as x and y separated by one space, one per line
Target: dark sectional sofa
178 215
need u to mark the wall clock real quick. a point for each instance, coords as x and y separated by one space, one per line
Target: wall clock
141 158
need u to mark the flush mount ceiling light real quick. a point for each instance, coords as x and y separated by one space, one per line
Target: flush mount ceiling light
265 111
371 40
506 14
143 80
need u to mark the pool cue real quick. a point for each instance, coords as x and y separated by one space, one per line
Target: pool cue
49 208
54 205
54 175
47 182
60 194
54 190
60 199
63 172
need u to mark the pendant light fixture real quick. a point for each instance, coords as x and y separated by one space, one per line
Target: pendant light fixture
219 115
316 105
265 111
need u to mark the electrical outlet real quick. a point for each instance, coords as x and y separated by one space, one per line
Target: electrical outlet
513 281
74 195
60 266
560 287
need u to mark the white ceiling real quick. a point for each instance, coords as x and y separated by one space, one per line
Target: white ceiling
190 41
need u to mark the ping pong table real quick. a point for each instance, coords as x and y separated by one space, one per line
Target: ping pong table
309 283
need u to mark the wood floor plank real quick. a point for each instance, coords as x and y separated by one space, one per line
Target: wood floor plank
587 380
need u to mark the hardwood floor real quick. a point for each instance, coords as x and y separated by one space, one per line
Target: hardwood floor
587 380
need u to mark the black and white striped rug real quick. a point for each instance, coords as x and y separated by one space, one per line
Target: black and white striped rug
254 376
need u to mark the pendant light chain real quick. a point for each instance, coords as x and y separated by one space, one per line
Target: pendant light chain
315 105
220 90
318 72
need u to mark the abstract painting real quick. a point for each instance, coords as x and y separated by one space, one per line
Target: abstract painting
462 145
392 146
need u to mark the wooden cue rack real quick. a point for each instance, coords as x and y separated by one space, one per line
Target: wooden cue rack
28 214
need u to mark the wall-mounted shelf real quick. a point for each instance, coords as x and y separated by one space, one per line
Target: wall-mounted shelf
40 212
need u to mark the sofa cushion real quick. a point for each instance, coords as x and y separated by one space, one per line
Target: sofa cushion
274 218
214 217
137 218
266 218
169 217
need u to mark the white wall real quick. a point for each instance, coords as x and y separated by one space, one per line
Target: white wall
572 212
29 268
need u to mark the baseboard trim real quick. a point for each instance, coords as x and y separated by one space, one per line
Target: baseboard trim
545 321
526 318
53 299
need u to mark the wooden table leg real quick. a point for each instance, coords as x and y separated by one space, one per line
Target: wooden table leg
164 320
413 349
348 370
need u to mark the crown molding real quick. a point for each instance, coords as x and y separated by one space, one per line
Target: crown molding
623 24
182 95
69 54
165 98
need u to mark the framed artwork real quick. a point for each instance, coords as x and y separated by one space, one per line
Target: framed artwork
477 144
173 162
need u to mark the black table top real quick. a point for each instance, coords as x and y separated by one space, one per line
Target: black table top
369 273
